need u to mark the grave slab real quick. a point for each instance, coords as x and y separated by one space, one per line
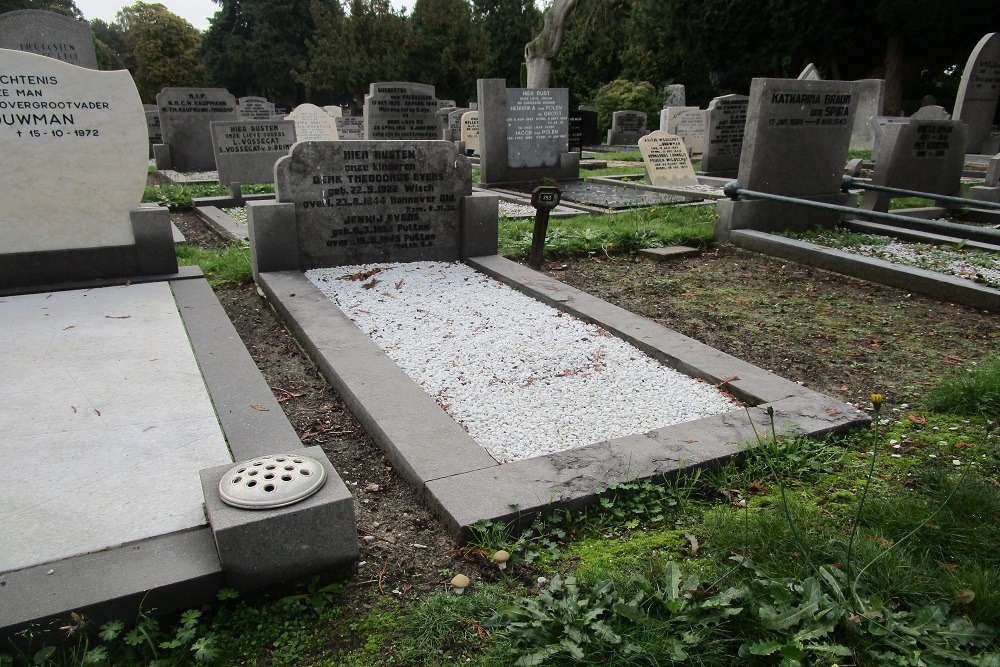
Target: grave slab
670 252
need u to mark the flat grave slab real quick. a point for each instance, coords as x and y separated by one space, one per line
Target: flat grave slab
606 195
105 415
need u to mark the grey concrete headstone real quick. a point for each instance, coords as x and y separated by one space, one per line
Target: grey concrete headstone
537 127
797 136
186 116
401 110
979 90
725 120
444 123
627 127
881 124
675 95
455 124
152 126
72 173
871 97
246 150
374 201
922 155
931 112
350 128
49 34
254 108
993 172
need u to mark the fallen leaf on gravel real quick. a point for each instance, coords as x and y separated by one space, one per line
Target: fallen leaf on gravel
258 408
693 541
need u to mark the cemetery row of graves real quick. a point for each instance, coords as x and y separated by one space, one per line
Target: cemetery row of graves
489 400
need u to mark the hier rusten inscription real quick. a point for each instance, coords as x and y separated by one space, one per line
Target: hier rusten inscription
372 201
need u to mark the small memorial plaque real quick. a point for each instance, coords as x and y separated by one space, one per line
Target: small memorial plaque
666 159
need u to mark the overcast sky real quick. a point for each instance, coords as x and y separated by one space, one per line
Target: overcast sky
197 12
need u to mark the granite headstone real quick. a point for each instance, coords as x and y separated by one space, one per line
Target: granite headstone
374 201
49 34
245 151
152 126
627 127
921 155
254 108
186 115
455 124
674 95
871 97
350 128
401 110
688 123
725 120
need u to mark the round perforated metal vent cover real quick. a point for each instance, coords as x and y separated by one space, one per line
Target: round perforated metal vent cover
271 481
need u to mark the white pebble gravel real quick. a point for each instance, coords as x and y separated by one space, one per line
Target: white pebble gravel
524 379
511 209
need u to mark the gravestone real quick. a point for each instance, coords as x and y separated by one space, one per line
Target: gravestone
931 112
74 175
186 116
49 34
455 124
810 73
313 124
254 108
470 130
153 133
922 155
871 97
979 90
444 123
990 189
627 127
674 96
401 110
666 159
350 128
245 151
334 111
589 135
688 123
373 201
881 124
443 104
725 120
795 144
524 134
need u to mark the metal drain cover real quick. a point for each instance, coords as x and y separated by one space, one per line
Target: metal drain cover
271 481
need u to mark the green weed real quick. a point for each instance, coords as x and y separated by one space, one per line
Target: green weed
975 392
221 267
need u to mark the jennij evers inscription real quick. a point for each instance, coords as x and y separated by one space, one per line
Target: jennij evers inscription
365 201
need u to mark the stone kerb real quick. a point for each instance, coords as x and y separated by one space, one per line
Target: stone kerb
688 123
725 121
401 110
90 141
470 130
666 159
186 115
353 202
979 90
246 150
922 155
49 34
795 144
627 127
524 134
313 123
350 128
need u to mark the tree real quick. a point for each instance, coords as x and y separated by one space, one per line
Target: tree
109 43
257 47
446 47
162 49
621 94
541 51
346 53
592 48
67 7
505 25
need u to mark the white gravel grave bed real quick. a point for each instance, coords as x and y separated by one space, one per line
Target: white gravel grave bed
523 378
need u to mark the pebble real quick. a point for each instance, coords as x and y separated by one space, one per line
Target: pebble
523 378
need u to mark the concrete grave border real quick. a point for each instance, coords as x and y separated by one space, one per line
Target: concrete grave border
182 570
462 483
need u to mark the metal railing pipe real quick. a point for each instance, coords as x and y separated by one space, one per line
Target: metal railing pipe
850 182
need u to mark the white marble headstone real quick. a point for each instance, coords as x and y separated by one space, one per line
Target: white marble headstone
312 123
69 172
